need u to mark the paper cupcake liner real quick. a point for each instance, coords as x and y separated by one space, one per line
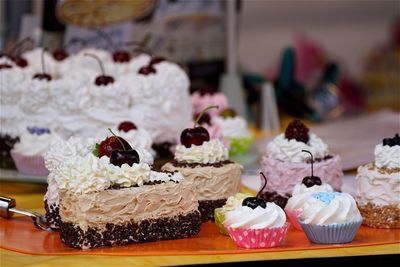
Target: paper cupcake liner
294 216
258 238
239 145
219 219
30 165
332 233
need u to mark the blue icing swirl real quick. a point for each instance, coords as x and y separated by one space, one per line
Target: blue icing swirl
38 130
326 197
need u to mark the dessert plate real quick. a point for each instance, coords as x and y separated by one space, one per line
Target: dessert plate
19 235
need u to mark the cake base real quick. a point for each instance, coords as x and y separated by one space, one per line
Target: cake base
181 226
279 200
52 215
387 216
207 207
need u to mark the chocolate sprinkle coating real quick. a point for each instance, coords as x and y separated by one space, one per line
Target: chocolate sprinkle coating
276 198
385 216
181 226
319 159
194 165
52 215
207 207
117 187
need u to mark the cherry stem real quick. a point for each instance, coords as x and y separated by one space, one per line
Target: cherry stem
119 140
265 184
202 113
98 60
74 41
107 38
42 59
19 44
312 161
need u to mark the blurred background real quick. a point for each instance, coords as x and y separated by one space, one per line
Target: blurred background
326 59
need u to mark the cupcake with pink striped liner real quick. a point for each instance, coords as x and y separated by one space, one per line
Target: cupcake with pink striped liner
330 218
257 224
302 192
28 153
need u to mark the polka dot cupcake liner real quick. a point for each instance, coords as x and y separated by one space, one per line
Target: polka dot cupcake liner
331 233
258 238
30 165
294 216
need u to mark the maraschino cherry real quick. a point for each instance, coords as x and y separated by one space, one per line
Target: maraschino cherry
101 79
146 70
207 90
254 202
5 66
61 53
43 75
119 56
312 180
149 68
121 151
126 126
196 135
16 52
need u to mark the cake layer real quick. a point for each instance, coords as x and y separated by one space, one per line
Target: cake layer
283 176
211 182
207 207
378 186
52 215
174 227
127 205
383 216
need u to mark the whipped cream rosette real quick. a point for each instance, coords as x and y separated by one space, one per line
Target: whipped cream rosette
204 162
330 218
285 164
378 185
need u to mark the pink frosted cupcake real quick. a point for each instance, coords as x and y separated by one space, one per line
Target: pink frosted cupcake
256 223
202 100
301 193
285 164
28 153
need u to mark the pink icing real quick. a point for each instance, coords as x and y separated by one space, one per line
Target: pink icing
283 176
201 102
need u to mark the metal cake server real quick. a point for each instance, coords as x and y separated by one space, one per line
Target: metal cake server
8 208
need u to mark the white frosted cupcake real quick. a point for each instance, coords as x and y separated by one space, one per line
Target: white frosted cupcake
28 153
330 218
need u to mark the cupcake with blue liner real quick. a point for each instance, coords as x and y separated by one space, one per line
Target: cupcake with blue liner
235 130
231 204
29 151
302 192
330 218
256 223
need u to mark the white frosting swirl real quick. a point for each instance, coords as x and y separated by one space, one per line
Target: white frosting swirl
34 145
209 152
387 156
284 149
325 208
302 193
376 187
34 58
10 83
235 127
244 217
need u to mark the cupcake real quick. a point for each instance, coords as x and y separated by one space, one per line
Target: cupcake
204 162
302 192
256 223
208 97
231 203
378 185
330 218
235 130
29 151
285 164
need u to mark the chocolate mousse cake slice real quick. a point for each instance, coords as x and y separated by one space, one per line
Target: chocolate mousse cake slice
163 208
204 163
